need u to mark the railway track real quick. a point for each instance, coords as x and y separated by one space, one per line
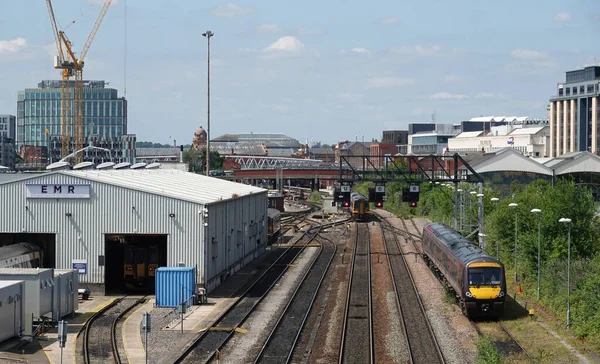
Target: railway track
99 334
282 340
205 347
421 340
504 341
357 344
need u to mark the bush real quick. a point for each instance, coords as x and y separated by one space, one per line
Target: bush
487 353
315 196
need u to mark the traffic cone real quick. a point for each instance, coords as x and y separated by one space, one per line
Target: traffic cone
519 290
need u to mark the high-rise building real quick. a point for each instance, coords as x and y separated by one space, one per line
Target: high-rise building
39 129
7 126
7 141
573 113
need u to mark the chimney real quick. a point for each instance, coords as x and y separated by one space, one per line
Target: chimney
181 153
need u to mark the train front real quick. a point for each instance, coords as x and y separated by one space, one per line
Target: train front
486 289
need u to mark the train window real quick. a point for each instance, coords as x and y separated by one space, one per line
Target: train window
153 256
129 256
486 276
141 256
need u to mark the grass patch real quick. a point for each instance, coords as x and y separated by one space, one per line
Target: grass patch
487 353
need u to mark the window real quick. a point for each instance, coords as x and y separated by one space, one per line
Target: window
560 92
590 89
575 90
568 91
581 89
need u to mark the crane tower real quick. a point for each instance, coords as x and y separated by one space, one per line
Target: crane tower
71 66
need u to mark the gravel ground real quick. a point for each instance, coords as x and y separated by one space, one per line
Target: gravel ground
284 337
160 341
390 341
243 348
320 339
357 339
455 334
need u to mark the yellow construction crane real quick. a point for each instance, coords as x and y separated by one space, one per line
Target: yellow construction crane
72 121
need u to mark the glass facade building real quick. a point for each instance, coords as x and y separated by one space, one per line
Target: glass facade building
39 118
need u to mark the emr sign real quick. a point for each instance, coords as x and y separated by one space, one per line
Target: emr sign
58 191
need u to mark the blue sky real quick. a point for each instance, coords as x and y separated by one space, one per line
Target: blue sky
324 70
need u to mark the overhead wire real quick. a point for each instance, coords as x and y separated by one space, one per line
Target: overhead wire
125 55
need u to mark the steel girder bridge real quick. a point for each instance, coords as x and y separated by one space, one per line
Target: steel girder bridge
414 169
260 162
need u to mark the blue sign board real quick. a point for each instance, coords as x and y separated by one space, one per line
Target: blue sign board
80 265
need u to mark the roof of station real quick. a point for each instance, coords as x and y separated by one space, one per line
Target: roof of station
509 159
171 183
505 160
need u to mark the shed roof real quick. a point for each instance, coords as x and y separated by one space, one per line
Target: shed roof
508 159
527 131
469 134
172 183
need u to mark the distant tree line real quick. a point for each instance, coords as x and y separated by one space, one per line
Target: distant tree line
157 145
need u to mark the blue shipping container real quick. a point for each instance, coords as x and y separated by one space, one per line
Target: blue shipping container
171 282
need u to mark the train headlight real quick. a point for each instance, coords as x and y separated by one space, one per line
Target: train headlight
501 294
468 294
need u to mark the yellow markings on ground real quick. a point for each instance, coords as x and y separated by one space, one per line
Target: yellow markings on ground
85 317
240 330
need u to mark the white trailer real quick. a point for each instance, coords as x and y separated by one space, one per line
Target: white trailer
11 309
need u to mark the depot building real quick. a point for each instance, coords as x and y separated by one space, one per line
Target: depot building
117 226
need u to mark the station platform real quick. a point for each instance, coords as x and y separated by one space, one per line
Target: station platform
49 340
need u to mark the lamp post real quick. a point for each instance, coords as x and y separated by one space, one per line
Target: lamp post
539 213
208 34
568 221
494 200
472 193
481 221
515 205
460 216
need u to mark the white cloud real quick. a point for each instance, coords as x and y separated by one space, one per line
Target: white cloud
418 50
350 96
528 54
268 28
562 17
360 50
448 96
381 82
286 44
281 108
229 10
388 21
485 95
13 45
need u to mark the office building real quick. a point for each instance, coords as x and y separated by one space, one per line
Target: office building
573 113
7 126
39 129
7 141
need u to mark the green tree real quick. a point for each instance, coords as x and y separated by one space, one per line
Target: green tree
196 160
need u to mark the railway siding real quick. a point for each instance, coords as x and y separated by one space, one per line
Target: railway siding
390 341
456 336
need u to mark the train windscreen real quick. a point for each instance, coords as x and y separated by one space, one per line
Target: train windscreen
484 276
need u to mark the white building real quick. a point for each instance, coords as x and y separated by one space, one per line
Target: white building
531 137
86 218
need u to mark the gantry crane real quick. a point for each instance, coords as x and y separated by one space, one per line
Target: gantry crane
72 121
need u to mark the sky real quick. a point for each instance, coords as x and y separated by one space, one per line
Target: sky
324 71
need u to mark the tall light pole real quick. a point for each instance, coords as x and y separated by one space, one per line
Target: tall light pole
494 200
208 34
515 205
568 221
539 213
481 221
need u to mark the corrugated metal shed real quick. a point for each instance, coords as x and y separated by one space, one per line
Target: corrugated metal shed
508 159
175 285
213 224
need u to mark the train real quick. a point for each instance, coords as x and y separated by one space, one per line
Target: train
21 255
359 207
273 225
476 278
139 265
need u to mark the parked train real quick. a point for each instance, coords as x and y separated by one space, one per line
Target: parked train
359 207
140 265
477 279
273 225
21 255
